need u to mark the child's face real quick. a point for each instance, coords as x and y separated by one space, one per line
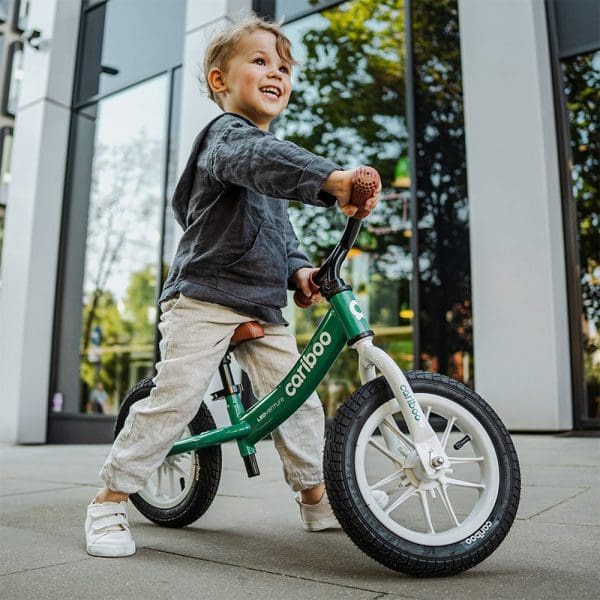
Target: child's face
256 82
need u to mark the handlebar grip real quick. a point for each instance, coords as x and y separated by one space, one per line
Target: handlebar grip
365 181
300 299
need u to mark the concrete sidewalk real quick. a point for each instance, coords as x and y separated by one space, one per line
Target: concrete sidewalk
250 542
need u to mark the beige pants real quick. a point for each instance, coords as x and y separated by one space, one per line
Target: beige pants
195 337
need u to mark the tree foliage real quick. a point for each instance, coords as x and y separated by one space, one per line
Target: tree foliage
444 255
349 105
582 89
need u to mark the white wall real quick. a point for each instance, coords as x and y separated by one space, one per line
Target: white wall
31 242
517 255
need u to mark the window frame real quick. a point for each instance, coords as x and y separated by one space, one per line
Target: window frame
570 225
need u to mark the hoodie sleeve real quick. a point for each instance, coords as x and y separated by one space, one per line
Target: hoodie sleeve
244 155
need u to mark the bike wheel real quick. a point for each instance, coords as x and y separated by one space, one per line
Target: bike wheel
184 486
391 509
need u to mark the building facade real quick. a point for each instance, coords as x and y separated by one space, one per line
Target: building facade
481 260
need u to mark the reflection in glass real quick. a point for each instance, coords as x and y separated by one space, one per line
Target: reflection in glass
23 16
123 243
16 77
6 138
172 231
3 10
290 9
110 60
582 89
446 339
348 105
2 214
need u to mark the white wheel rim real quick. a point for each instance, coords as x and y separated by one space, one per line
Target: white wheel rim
465 497
172 481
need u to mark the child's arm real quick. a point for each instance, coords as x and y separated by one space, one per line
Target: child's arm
238 153
339 185
242 154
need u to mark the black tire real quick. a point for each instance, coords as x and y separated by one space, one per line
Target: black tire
203 469
383 537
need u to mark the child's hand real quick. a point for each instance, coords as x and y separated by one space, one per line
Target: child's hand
339 184
305 290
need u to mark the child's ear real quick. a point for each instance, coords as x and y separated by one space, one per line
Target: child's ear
216 80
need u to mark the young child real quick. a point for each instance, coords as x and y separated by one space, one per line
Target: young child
237 257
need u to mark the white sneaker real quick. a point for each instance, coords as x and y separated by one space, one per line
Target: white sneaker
319 516
107 530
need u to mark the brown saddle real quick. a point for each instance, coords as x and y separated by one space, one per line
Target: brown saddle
245 332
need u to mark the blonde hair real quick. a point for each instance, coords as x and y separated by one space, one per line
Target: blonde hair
223 45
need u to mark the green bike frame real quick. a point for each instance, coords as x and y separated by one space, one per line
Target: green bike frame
308 372
344 323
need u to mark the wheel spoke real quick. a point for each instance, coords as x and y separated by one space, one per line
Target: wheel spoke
465 459
179 470
426 511
447 432
443 489
385 451
393 427
407 494
461 483
428 413
159 477
395 475
172 487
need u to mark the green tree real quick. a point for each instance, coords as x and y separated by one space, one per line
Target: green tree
114 331
348 105
443 219
582 89
140 302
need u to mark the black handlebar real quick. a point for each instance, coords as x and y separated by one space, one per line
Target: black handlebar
328 276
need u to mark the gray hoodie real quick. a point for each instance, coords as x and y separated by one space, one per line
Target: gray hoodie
238 247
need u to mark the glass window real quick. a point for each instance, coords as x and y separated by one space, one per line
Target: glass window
3 10
2 219
172 231
582 88
23 15
292 9
348 105
127 41
124 221
16 77
6 137
445 314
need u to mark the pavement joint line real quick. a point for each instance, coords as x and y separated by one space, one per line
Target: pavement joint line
237 566
73 483
583 491
27 493
67 562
